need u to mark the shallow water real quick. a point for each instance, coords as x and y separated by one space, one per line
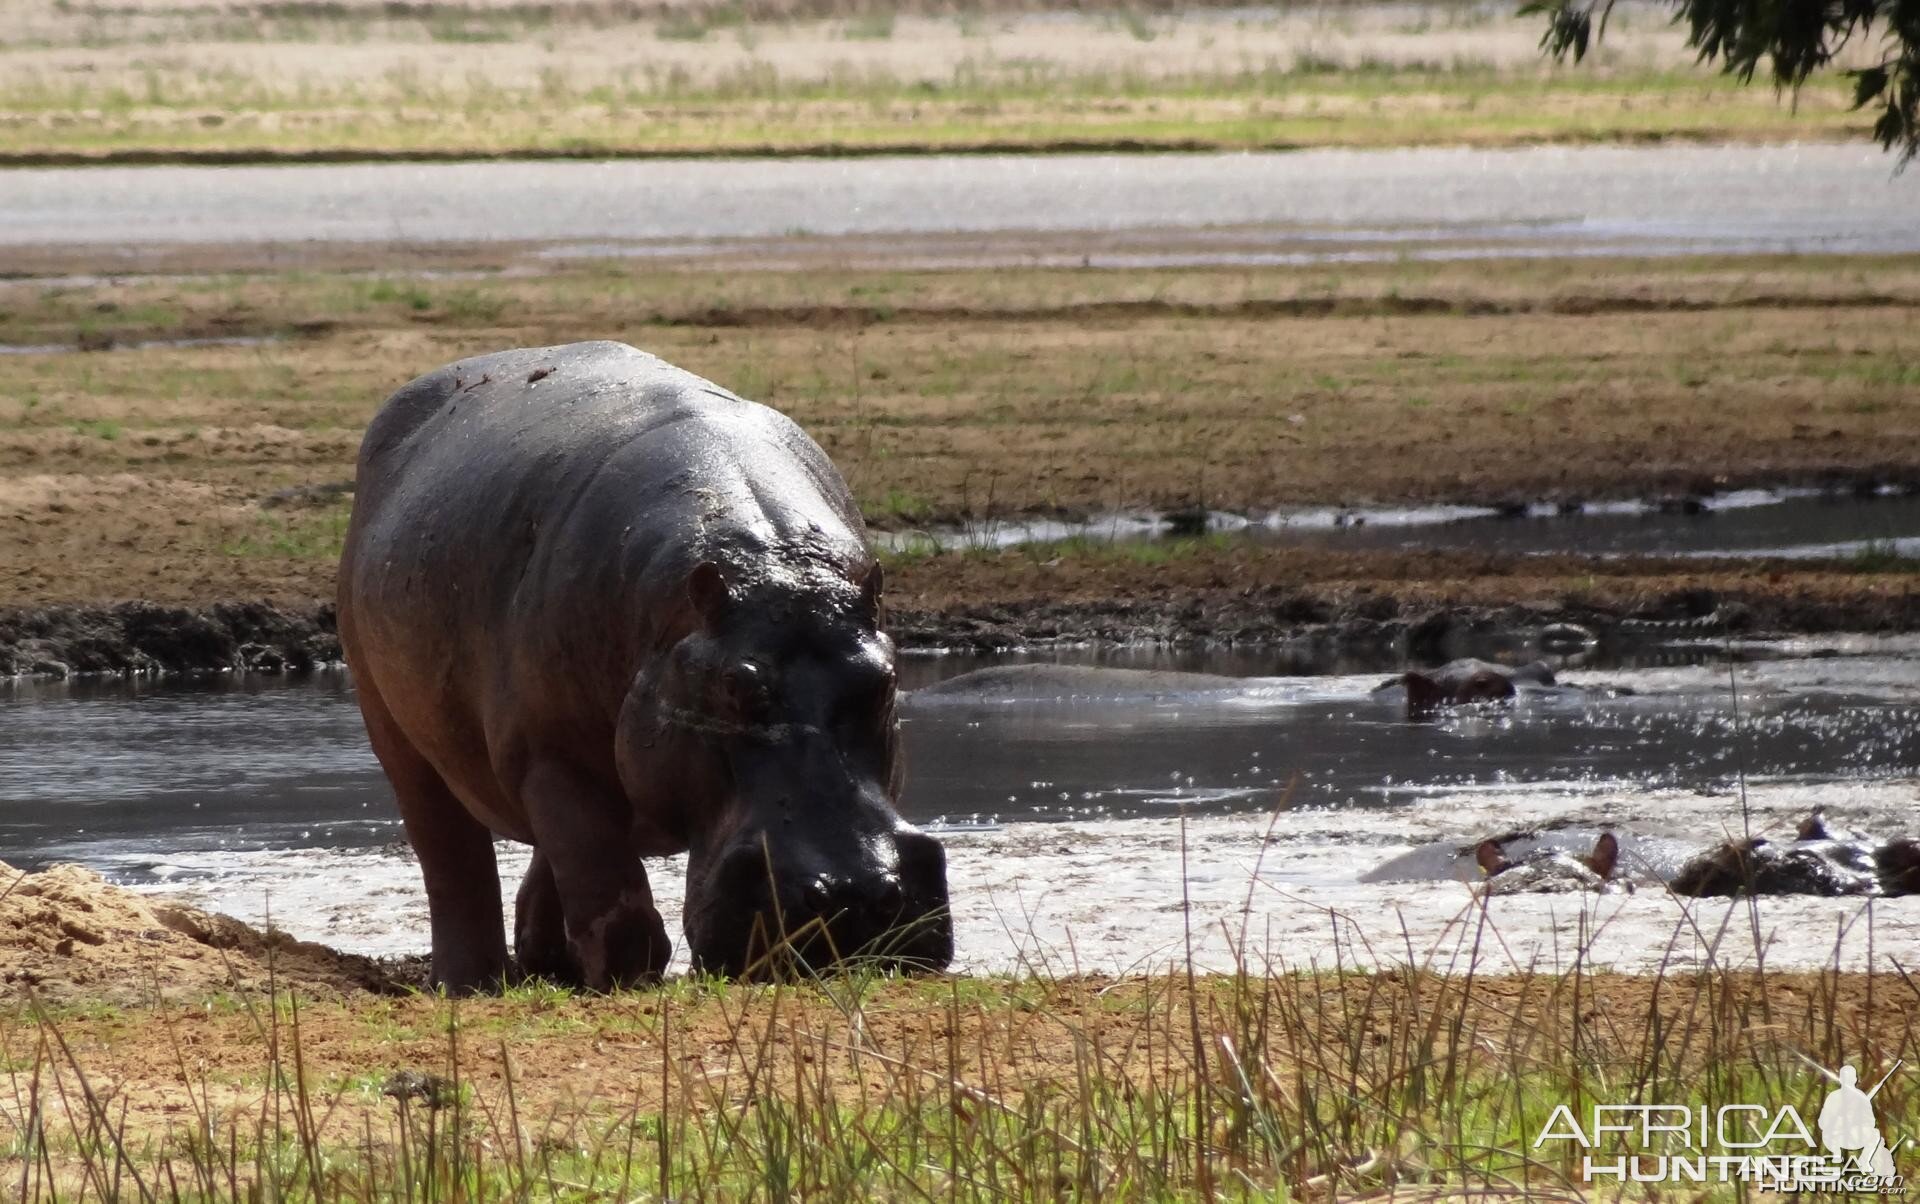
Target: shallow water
1063 818
1798 524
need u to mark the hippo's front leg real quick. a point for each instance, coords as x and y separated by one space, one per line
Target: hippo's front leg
583 834
539 928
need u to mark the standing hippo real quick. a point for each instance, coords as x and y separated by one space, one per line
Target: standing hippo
598 605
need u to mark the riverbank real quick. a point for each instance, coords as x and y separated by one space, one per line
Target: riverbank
205 456
1323 1079
1365 608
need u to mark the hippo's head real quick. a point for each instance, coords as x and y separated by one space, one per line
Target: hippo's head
779 709
1427 693
1548 869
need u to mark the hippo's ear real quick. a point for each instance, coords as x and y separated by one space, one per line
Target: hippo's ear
1605 855
1813 827
1490 857
707 591
873 594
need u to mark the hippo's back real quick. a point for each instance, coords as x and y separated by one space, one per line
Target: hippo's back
568 468
524 523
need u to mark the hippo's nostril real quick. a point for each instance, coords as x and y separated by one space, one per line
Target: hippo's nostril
888 897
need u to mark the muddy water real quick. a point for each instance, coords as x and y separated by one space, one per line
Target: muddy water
1801 524
1064 819
1312 206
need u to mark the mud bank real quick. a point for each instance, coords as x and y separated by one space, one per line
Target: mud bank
1384 623
141 637
66 933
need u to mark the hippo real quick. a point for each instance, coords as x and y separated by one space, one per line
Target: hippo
1562 856
1815 862
1544 868
598 605
1460 683
1467 681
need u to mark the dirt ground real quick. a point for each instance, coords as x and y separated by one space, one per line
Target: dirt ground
199 1042
207 473
66 935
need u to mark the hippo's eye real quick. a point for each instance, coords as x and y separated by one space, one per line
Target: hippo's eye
748 689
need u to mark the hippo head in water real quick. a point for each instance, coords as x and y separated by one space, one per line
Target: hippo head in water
1463 682
776 714
1548 869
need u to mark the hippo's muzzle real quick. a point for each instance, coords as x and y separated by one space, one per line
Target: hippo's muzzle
766 913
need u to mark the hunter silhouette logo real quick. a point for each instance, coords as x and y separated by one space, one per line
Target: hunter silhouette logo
1771 1149
1847 1125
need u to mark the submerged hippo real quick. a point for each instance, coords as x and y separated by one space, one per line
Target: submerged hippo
1534 859
1815 862
598 605
1467 681
1545 868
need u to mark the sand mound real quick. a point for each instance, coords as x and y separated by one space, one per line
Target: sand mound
66 933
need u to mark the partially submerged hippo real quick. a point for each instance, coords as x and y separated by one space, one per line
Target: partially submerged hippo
1545 868
1467 681
1534 859
601 606
1815 862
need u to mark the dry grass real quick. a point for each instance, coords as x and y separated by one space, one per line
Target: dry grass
494 79
1275 1082
140 472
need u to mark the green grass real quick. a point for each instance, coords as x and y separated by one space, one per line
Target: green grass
315 536
1019 103
1271 1083
1883 556
870 27
106 429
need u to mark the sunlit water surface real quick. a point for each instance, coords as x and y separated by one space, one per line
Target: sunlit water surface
1074 825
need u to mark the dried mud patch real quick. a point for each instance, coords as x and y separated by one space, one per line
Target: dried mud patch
68 934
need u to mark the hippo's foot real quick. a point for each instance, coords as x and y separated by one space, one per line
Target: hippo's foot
540 947
624 946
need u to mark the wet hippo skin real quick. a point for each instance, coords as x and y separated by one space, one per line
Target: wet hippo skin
1817 861
1548 869
1467 681
601 606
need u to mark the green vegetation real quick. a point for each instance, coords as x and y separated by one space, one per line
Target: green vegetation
754 107
1271 1083
312 536
1883 556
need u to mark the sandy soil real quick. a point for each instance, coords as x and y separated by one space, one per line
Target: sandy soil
66 935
